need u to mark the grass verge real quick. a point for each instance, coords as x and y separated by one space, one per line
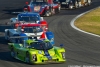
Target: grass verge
90 22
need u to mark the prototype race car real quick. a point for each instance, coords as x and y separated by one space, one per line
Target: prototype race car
29 30
37 52
43 7
71 4
27 18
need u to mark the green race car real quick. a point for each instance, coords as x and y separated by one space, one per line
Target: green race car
37 52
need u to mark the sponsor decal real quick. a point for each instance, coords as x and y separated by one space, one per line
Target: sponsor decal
36 8
47 55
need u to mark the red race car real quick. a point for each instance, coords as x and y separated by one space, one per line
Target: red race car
43 7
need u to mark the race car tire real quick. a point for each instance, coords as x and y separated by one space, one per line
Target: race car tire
47 13
13 53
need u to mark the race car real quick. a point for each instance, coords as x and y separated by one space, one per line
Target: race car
29 30
27 18
43 7
37 52
85 2
72 4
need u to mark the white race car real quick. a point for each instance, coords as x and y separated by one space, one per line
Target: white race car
28 30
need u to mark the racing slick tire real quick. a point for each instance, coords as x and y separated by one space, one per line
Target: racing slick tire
13 53
47 13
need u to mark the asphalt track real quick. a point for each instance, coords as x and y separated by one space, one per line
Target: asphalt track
81 48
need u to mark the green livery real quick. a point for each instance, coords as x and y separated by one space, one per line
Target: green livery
37 52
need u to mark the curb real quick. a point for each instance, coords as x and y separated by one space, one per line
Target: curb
73 20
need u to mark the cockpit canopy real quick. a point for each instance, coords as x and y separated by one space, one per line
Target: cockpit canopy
41 45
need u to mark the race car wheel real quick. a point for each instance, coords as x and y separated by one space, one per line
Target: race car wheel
47 13
13 53
27 58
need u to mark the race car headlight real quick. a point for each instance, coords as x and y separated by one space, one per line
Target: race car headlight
63 54
34 57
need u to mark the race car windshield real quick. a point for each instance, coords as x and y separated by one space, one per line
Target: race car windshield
28 18
41 45
35 29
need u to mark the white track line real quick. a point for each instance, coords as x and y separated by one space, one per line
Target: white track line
73 20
